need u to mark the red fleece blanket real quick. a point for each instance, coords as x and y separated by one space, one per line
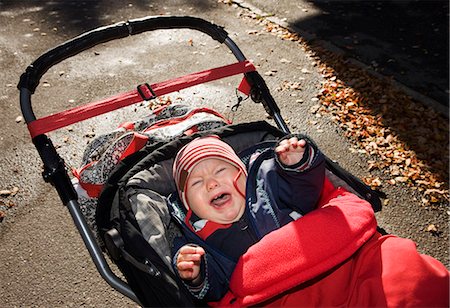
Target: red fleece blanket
334 257
312 245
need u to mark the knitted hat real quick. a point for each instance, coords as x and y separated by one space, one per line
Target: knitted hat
196 151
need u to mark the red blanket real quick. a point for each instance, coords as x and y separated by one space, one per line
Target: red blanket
334 257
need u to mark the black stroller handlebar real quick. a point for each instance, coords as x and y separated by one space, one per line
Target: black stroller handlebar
30 79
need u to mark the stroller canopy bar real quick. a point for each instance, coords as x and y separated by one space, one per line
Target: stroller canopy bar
78 114
30 79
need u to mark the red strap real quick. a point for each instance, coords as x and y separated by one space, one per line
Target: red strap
92 190
77 114
135 145
127 125
244 86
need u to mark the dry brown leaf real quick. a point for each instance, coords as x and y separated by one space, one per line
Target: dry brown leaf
9 192
432 228
270 73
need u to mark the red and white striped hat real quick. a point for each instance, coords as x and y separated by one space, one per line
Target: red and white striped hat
196 151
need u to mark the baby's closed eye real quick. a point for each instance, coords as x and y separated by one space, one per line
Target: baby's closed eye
196 182
220 170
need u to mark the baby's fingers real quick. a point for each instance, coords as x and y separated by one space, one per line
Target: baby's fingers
281 148
294 142
301 143
186 270
190 255
190 249
185 265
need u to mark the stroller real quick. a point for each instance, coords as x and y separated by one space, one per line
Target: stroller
135 238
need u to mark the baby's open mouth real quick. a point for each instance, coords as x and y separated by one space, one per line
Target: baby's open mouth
220 200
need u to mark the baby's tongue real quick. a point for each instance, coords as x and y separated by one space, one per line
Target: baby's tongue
221 200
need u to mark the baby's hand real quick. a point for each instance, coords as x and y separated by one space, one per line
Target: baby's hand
189 260
290 151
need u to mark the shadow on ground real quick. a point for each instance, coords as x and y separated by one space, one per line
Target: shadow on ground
407 40
76 17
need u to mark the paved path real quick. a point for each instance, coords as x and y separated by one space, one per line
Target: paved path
43 262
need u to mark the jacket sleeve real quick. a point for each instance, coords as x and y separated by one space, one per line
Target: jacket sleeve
303 181
216 269
199 289
215 276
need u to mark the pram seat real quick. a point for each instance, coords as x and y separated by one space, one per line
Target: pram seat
337 243
138 198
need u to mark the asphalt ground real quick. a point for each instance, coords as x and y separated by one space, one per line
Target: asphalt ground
43 261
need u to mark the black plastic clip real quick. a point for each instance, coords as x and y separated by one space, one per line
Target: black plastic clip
240 99
146 92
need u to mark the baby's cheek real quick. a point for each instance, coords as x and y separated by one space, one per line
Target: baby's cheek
241 184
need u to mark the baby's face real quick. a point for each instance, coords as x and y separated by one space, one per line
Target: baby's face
211 193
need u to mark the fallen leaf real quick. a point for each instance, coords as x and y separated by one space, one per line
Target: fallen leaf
433 230
9 192
373 182
305 71
314 109
401 179
270 73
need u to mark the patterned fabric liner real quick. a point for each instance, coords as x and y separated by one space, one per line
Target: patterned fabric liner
104 153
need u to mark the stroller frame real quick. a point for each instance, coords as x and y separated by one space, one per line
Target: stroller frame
55 171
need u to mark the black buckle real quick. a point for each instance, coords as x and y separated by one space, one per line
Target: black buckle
145 90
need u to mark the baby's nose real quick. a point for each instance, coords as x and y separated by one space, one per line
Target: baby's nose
212 183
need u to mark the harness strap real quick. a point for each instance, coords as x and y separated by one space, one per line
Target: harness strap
80 113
